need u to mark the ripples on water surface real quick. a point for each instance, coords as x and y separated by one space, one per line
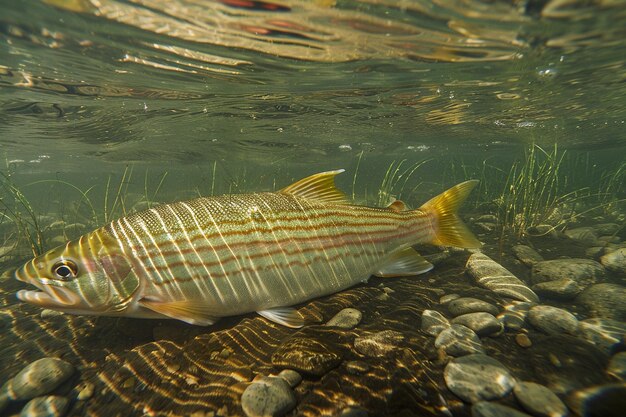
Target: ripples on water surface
107 106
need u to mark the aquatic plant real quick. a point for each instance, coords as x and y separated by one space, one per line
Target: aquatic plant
395 180
17 208
535 193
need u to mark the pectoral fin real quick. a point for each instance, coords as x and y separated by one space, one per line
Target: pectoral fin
404 263
187 311
283 315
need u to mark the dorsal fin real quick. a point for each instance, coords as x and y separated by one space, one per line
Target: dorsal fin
319 187
397 206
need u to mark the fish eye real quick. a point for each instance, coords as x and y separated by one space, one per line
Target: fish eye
65 269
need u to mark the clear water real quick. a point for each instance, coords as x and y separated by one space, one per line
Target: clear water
109 106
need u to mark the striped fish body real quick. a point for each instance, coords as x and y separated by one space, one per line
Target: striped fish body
253 252
220 256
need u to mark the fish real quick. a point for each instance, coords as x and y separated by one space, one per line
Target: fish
211 257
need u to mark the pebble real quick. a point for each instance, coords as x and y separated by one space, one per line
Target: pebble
617 366
539 400
38 378
523 340
560 289
527 255
378 344
268 397
583 272
433 322
598 401
605 300
514 315
308 355
606 334
85 391
615 260
552 320
292 377
493 276
543 230
348 318
478 377
594 251
466 305
47 313
563 289
484 324
48 406
448 297
488 409
607 228
459 340
582 234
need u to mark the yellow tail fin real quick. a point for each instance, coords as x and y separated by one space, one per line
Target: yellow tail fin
451 231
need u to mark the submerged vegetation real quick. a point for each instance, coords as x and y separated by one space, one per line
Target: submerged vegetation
540 193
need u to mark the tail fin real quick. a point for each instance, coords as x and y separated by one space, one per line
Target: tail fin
451 231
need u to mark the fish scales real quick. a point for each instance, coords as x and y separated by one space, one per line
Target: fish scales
261 248
211 257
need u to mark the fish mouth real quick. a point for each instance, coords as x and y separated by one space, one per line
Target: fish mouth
47 295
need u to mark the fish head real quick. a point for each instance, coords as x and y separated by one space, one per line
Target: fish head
90 275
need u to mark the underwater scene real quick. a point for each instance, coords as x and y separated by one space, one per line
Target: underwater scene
312 208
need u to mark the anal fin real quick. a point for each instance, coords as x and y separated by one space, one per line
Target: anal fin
283 315
405 262
191 312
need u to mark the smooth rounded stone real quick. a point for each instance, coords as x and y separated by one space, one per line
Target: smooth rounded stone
607 228
378 344
617 366
268 397
523 340
348 318
539 400
292 377
484 324
38 378
433 322
306 355
594 251
552 320
47 313
491 275
48 406
546 230
466 305
605 300
459 340
448 297
488 409
615 260
85 391
514 315
527 255
598 401
583 272
609 239
477 377
560 289
606 334
582 234
486 227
